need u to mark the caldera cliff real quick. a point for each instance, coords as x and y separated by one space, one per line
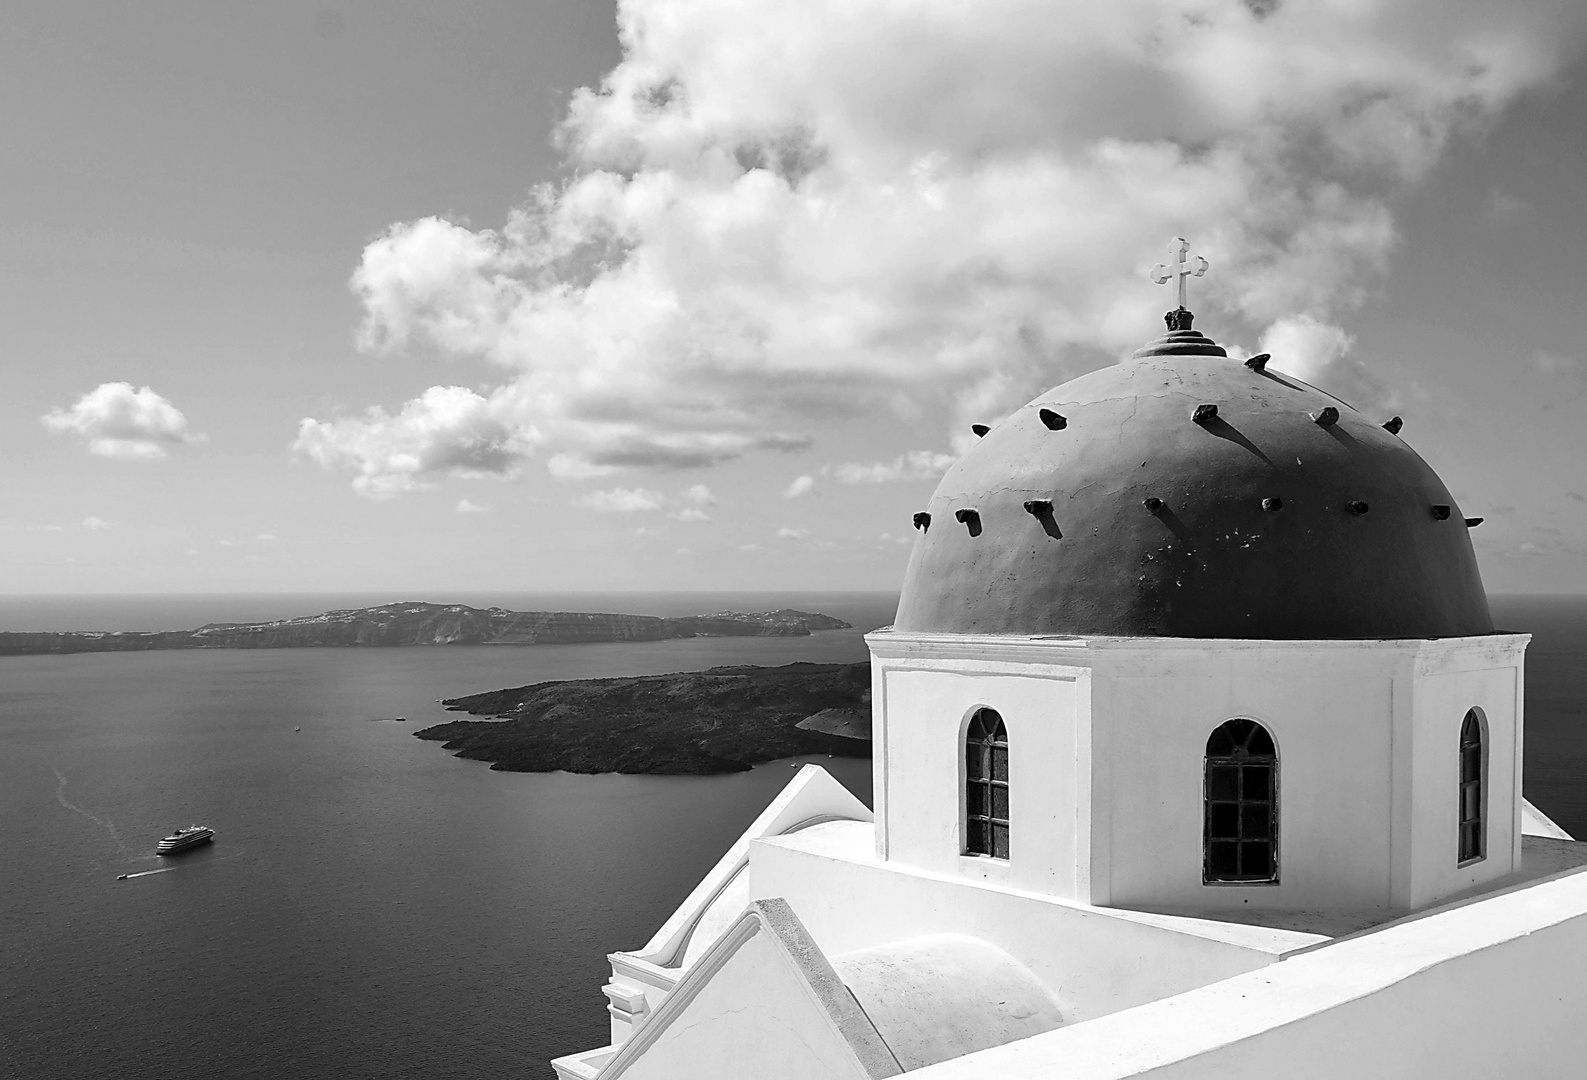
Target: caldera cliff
417 623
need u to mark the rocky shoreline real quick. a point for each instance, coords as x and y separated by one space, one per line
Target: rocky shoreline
726 719
419 623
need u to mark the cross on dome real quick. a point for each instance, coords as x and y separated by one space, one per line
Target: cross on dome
1180 268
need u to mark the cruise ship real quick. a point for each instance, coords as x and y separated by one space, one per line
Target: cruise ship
182 839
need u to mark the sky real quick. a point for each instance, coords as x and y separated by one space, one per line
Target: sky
704 294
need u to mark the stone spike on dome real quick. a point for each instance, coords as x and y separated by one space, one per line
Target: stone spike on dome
1180 340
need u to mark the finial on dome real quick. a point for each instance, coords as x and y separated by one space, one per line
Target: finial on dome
1180 340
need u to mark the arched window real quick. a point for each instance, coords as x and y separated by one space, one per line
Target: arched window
1240 826
1471 831
986 786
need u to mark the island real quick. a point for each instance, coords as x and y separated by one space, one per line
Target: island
419 623
725 719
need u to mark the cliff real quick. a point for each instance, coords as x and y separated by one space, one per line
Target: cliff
726 719
415 623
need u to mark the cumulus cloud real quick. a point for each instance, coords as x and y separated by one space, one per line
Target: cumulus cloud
464 506
97 523
1305 347
623 500
801 485
119 421
447 431
777 212
915 465
690 513
792 534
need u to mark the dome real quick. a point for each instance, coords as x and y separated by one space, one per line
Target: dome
1185 494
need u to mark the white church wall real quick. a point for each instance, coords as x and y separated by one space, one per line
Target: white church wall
1478 990
1327 706
1452 677
1095 960
920 776
1107 740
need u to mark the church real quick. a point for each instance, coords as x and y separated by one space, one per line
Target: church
1196 754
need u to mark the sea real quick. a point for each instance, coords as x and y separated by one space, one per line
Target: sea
373 906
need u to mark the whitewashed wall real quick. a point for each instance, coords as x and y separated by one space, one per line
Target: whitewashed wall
1106 745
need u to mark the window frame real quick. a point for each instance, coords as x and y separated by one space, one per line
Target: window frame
1475 721
978 772
1240 758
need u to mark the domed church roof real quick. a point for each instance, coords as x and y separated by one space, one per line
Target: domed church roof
1186 494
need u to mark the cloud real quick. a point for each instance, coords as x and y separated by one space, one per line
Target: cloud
466 507
792 534
752 549
265 538
623 500
1578 496
1305 347
915 465
97 523
447 431
690 513
801 486
647 532
779 213
699 495
118 421
1530 549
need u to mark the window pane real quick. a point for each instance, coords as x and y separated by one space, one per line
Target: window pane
1221 744
1471 763
1000 802
1223 782
1000 763
1256 859
1469 803
1260 743
975 799
1223 821
1222 859
1470 841
1255 819
1000 841
975 837
1256 781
